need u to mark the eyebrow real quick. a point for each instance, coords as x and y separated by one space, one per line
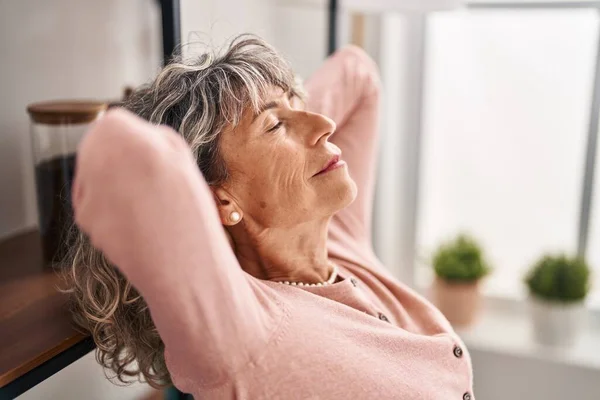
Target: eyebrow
270 105
265 107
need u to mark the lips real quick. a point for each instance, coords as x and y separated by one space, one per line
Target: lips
329 165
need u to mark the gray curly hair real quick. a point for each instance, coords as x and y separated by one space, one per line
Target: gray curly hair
199 98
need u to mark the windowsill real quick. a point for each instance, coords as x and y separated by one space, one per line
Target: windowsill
505 327
502 293
510 333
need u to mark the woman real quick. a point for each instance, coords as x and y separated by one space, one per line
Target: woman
289 303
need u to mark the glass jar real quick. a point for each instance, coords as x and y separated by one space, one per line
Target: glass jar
56 129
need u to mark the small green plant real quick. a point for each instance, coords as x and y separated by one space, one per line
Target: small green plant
460 261
559 278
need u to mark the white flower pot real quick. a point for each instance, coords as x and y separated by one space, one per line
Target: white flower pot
555 323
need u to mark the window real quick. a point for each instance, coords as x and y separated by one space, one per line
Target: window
505 118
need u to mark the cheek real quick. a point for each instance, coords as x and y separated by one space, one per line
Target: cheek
282 165
284 177
276 177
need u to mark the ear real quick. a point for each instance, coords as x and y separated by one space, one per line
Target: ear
229 212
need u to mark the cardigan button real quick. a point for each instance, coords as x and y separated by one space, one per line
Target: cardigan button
354 282
458 352
467 396
383 317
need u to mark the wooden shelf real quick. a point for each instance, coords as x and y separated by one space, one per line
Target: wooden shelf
35 325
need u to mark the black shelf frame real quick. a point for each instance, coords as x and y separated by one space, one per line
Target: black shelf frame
332 26
171 28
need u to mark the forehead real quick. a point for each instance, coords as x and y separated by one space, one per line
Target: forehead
271 94
274 92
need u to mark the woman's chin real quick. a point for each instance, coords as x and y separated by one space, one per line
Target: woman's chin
352 191
344 194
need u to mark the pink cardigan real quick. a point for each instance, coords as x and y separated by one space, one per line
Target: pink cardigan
229 335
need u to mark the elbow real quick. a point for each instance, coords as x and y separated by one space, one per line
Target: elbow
361 71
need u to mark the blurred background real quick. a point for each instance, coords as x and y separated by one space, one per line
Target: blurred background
489 130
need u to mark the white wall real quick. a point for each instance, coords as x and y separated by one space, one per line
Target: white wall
213 22
501 376
84 379
301 35
401 64
63 49
298 31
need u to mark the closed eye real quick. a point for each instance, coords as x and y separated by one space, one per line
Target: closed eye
273 129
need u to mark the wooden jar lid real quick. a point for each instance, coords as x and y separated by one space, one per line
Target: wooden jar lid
62 112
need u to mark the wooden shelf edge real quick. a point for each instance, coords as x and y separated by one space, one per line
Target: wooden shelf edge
29 365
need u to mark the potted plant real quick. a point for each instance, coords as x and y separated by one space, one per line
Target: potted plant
557 286
459 266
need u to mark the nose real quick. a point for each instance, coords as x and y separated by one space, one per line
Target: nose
321 127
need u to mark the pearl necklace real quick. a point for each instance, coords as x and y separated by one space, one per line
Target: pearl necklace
329 281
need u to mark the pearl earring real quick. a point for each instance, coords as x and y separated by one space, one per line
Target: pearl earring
234 216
